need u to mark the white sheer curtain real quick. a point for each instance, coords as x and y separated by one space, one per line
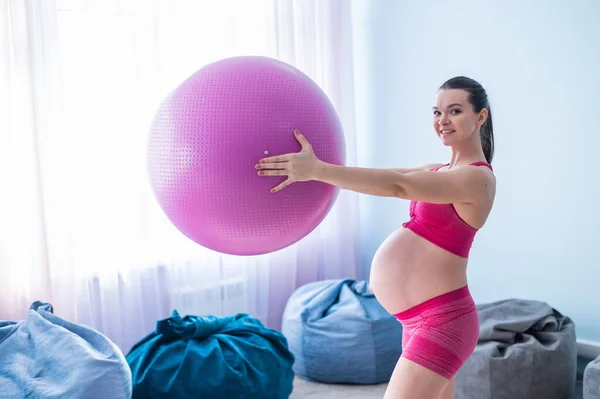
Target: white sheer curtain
79 227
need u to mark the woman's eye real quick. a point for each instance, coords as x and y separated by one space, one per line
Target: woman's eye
453 112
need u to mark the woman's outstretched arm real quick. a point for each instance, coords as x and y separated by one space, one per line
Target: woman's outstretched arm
465 184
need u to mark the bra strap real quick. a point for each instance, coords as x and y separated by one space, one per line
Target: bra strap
481 163
441 166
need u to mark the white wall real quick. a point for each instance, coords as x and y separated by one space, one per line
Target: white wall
540 62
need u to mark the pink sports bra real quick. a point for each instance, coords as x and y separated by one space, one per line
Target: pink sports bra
441 225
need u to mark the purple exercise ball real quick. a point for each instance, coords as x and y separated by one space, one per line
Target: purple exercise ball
208 134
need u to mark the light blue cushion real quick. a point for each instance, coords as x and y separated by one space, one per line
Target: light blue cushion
591 380
339 333
211 357
47 357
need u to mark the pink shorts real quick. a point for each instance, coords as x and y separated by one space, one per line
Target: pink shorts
441 333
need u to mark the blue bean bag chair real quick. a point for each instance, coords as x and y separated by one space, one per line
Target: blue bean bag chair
210 357
47 357
339 333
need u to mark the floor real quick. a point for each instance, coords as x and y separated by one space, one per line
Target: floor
310 390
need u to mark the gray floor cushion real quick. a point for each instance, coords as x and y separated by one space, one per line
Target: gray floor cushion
526 350
591 380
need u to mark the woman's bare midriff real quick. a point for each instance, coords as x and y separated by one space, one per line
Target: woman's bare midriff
407 270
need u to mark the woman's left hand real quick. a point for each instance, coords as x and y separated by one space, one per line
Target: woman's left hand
299 166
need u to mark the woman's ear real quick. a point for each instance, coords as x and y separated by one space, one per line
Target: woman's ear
482 117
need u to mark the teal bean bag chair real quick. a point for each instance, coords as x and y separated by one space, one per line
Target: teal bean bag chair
210 357
339 333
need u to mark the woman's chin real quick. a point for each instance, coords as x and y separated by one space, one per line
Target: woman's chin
449 138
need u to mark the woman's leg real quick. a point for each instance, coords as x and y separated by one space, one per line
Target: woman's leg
413 381
441 334
449 391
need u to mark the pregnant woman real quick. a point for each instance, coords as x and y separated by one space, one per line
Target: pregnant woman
419 274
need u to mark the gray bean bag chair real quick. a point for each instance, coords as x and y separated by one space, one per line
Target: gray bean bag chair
339 333
526 350
591 380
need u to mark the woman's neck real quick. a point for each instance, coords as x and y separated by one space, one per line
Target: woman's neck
467 153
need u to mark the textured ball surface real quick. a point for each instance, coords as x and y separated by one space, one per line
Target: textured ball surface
208 134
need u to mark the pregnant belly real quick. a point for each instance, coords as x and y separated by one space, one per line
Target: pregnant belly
407 270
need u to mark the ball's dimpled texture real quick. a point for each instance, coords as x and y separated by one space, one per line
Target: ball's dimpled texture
209 133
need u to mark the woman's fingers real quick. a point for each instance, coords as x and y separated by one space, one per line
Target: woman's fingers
283 185
277 158
301 139
273 172
273 165
279 165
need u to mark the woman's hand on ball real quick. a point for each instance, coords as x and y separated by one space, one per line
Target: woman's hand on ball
299 166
